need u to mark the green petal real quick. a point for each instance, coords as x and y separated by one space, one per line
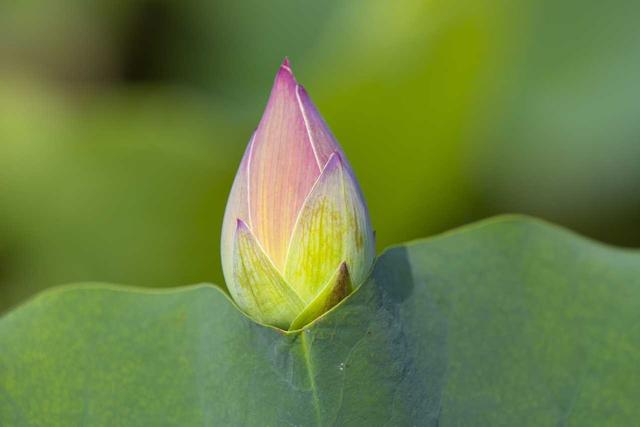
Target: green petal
332 227
259 289
332 293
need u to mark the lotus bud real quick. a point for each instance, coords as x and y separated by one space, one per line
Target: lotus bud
296 236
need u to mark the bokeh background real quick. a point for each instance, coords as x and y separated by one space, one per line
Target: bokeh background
122 122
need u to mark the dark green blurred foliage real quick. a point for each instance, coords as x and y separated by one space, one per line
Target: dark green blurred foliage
122 123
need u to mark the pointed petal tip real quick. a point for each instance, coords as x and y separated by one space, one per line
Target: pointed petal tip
344 269
241 225
334 290
285 73
303 92
334 162
305 99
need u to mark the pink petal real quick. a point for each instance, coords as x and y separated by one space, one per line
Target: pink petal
283 166
323 140
320 135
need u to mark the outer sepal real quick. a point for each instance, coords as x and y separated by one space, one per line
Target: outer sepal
257 286
332 227
338 287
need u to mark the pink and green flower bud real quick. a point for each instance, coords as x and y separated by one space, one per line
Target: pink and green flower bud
296 237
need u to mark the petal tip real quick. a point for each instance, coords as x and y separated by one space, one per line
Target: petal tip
303 93
241 225
305 100
343 269
334 162
285 73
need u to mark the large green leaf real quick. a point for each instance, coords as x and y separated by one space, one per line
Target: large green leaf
509 322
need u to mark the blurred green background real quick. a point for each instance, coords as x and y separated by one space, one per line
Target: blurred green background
122 123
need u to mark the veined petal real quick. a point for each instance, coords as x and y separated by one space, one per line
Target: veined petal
338 287
258 287
333 226
282 168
